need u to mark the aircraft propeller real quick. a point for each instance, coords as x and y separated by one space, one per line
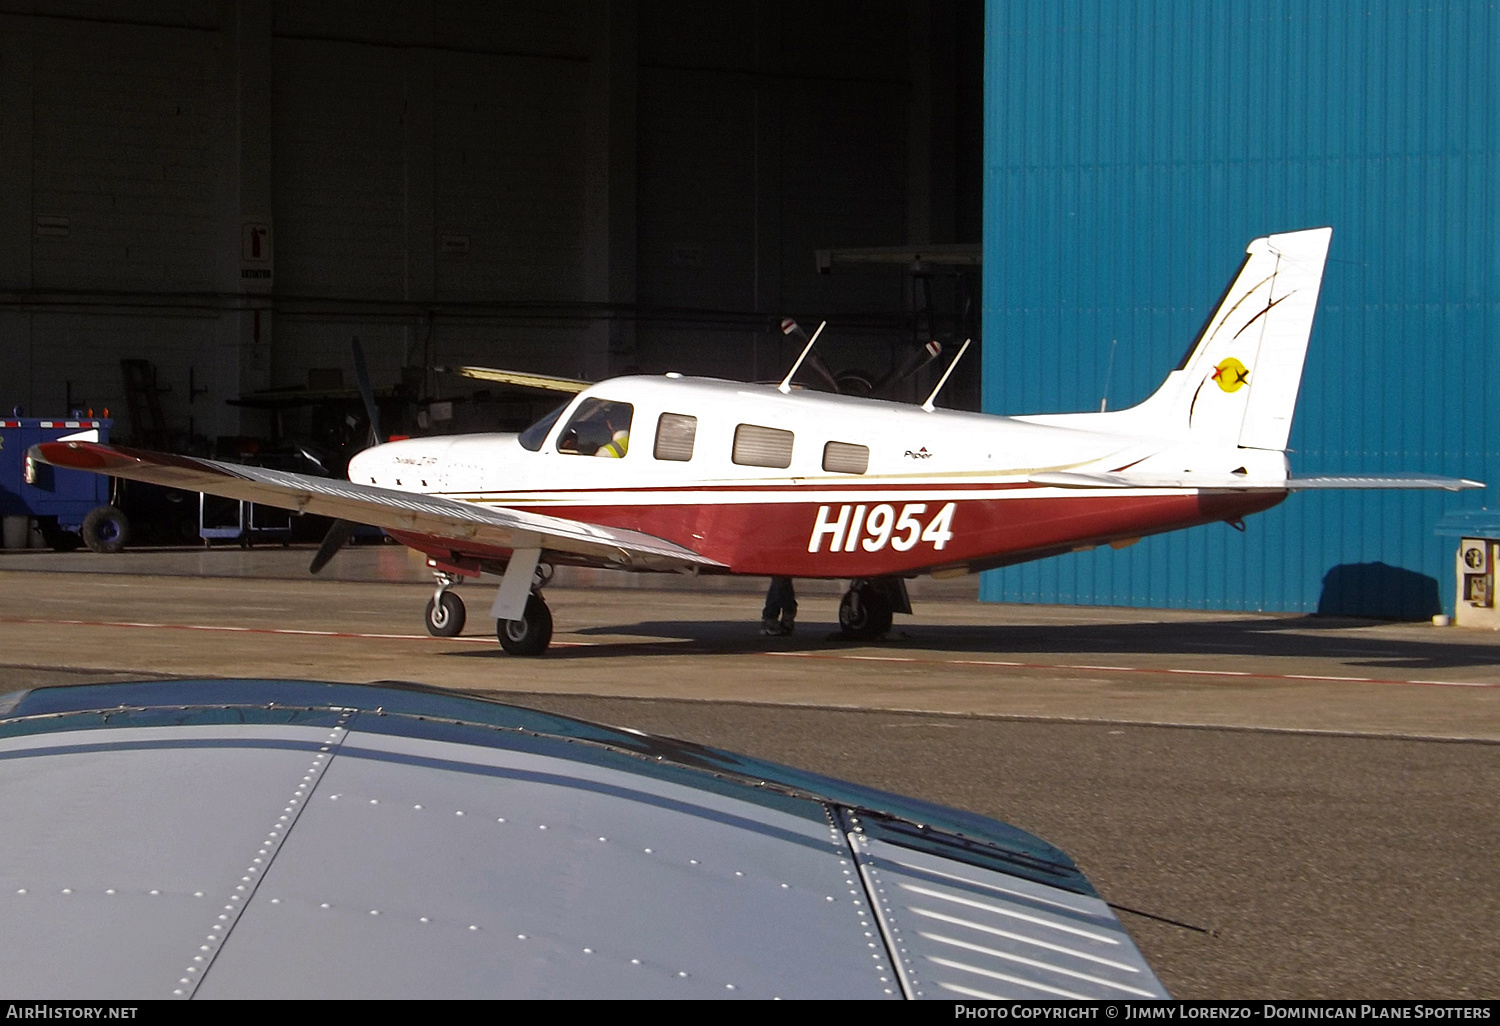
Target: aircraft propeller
340 531
791 328
852 382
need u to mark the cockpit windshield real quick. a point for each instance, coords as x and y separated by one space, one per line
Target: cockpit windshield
533 437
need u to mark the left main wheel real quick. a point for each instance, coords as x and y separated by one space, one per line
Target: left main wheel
530 635
864 614
445 616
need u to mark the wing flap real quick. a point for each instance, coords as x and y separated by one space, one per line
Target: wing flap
379 507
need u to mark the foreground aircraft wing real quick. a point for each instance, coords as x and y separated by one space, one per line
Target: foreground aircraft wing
430 515
1073 479
548 858
521 379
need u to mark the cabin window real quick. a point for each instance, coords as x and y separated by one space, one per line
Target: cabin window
674 437
846 458
762 446
533 437
600 427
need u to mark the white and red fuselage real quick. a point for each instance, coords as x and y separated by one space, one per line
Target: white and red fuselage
939 492
673 473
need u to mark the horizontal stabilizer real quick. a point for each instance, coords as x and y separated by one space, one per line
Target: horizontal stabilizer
1067 479
1074 479
1451 484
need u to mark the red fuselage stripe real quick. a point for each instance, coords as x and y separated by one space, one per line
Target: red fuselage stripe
874 538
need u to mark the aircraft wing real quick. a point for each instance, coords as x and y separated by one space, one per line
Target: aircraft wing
1075 479
449 847
521 379
379 507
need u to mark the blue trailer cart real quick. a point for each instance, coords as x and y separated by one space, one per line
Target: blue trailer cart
68 506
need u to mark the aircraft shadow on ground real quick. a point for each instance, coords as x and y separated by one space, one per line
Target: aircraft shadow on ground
1294 637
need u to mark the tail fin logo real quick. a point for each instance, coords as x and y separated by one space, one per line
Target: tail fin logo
1230 374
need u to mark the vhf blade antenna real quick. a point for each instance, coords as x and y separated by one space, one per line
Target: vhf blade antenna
944 379
786 383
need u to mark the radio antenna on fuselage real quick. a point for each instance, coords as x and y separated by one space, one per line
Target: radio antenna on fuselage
944 379
786 383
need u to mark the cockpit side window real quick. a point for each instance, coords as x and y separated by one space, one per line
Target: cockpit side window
600 427
533 437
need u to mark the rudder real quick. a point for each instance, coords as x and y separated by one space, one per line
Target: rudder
1238 383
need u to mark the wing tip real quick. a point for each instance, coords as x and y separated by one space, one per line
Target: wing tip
75 455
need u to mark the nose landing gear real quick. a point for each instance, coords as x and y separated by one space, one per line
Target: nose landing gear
445 610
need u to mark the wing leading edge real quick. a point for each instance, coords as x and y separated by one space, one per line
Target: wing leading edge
430 515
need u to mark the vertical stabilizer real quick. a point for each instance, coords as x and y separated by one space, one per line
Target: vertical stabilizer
1238 384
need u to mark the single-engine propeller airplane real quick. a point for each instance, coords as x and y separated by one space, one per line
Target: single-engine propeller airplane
698 475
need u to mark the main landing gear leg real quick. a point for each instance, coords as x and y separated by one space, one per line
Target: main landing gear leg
523 623
445 610
866 610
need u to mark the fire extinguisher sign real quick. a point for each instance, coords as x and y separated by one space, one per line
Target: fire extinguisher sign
255 249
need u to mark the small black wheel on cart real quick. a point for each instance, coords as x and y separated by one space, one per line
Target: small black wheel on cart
445 616
105 529
530 635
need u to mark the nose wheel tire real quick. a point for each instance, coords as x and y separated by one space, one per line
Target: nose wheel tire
530 635
864 614
445 615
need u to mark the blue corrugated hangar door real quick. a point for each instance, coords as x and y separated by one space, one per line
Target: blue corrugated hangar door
1133 147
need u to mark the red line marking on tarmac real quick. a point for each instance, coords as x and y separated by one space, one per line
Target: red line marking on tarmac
472 640
269 630
1147 669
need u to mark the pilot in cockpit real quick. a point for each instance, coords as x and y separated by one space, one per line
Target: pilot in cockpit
600 427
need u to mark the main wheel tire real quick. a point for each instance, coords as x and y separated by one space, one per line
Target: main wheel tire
530 635
105 529
870 620
445 617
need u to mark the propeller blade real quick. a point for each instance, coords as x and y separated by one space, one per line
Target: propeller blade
339 533
821 369
366 393
792 329
915 361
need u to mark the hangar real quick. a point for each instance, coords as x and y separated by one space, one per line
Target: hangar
230 191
